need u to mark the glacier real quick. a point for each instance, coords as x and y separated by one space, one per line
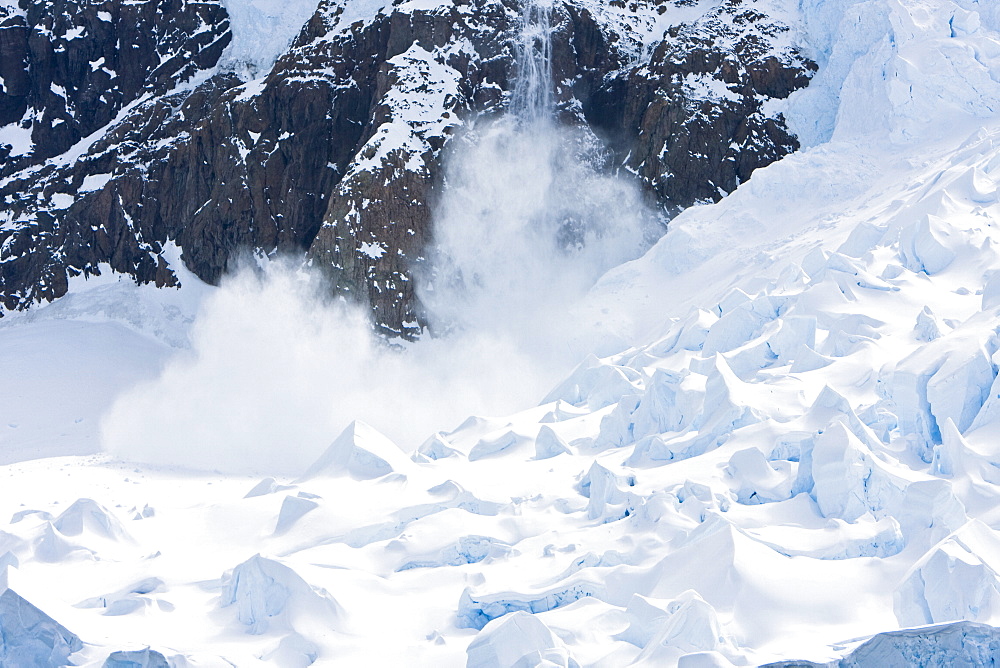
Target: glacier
28 636
782 449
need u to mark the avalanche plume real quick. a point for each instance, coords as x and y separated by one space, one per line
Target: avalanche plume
508 323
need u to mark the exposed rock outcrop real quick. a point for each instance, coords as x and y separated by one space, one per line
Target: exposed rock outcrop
121 133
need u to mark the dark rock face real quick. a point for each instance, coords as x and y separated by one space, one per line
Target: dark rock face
378 221
139 140
690 122
70 66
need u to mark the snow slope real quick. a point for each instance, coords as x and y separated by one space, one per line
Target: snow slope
263 30
797 451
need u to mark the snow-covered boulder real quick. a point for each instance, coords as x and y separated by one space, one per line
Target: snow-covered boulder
495 444
957 579
360 452
926 246
293 508
691 625
596 383
270 596
549 444
265 487
144 658
435 447
758 480
607 491
954 645
518 640
131 599
86 515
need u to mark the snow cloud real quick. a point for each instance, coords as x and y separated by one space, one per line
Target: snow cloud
274 374
275 371
528 222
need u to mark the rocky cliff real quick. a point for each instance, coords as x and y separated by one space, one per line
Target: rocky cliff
128 129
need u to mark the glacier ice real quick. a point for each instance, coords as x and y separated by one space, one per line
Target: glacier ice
264 487
549 444
466 550
691 626
86 515
52 547
292 509
493 445
596 383
142 658
956 579
360 452
924 249
760 481
28 637
434 448
269 596
262 30
957 644
132 598
927 328
518 640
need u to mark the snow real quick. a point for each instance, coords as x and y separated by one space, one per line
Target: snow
30 637
18 138
361 10
263 30
127 332
374 251
419 105
44 355
793 447
145 658
266 593
62 200
361 452
895 72
954 644
517 640
94 182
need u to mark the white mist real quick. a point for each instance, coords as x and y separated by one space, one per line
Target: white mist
526 225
